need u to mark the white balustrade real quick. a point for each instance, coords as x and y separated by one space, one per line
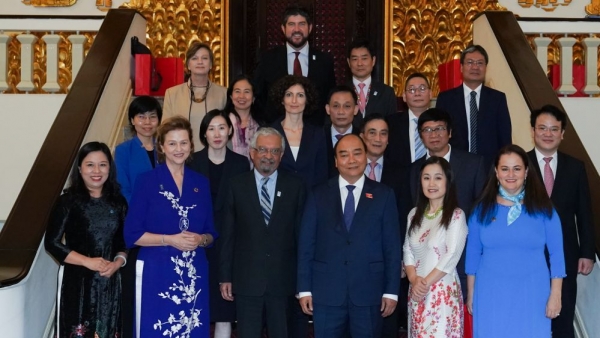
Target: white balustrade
4 39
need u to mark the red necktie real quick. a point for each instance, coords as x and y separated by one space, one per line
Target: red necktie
361 98
297 67
548 176
372 173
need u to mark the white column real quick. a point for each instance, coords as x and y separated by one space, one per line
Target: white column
77 42
27 41
566 66
4 39
541 51
591 66
52 41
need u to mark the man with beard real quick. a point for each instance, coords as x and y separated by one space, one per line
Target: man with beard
259 236
296 57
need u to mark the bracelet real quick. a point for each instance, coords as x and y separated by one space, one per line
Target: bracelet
205 241
124 259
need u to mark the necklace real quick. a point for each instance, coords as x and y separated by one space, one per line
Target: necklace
184 222
203 98
435 214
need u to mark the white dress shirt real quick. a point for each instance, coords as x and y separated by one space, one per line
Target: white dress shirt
367 83
303 57
553 163
378 169
467 96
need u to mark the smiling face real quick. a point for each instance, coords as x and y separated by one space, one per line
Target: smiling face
217 133
342 109
361 63
242 95
267 154
145 124
511 173
350 158
294 99
94 171
375 136
200 64
434 182
547 134
296 31
176 147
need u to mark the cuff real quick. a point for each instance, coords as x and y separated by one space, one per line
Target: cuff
304 294
390 296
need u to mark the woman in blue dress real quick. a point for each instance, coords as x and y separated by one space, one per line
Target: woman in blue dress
511 291
170 218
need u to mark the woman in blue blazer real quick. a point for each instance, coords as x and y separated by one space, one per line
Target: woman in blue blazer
305 154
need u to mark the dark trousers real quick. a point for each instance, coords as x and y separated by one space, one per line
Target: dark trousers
298 320
128 294
562 326
337 321
250 311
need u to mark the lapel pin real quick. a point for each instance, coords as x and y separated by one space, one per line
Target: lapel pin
369 195
279 194
161 187
314 57
375 94
195 189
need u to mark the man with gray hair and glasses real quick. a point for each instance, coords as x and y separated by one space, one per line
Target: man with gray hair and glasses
259 235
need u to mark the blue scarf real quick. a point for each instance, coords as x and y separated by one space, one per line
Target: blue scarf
515 210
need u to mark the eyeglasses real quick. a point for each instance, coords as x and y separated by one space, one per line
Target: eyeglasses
438 130
421 89
263 151
544 129
478 63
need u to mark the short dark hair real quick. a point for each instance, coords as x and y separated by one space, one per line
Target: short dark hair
435 114
282 85
194 48
173 123
450 202
360 43
141 105
349 135
472 49
111 190
207 119
372 117
558 114
342 89
413 75
292 10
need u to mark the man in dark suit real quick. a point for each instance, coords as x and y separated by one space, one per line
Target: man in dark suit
566 182
259 236
373 96
406 145
381 168
349 250
435 127
341 108
479 113
294 58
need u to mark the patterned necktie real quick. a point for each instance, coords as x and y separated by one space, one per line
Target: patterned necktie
349 207
419 147
265 200
339 136
297 67
473 115
548 176
372 172
362 100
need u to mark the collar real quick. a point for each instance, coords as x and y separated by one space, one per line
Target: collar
258 177
367 82
335 132
358 184
467 91
412 116
303 51
446 157
540 156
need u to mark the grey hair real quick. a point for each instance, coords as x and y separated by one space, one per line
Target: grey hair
266 131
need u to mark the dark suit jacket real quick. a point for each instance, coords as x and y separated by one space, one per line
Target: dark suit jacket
273 65
259 259
361 264
381 100
395 176
331 168
398 147
571 199
311 163
470 175
493 121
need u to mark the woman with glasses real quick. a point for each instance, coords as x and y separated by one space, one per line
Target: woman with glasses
305 154
219 164
198 95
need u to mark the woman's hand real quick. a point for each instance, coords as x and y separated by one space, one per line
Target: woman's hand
553 306
184 241
111 268
470 303
419 288
95 263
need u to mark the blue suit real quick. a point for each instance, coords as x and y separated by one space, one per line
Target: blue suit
131 160
493 121
349 268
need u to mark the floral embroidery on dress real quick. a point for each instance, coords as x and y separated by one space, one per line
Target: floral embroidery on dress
79 331
182 324
423 236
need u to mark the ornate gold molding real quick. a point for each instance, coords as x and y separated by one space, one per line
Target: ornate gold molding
593 8
547 5
49 3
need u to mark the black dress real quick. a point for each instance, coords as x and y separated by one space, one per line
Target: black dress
88 304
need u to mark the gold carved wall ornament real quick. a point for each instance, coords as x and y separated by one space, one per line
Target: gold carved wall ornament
547 5
49 3
593 8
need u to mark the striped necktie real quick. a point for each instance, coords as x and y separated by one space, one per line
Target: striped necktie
265 200
473 118
419 147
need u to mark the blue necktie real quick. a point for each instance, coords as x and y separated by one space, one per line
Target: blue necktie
473 119
265 200
349 207
419 147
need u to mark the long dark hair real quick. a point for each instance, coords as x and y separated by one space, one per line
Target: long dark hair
111 190
536 200
230 108
450 199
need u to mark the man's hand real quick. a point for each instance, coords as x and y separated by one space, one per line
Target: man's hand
387 306
306 305
226 291
585 266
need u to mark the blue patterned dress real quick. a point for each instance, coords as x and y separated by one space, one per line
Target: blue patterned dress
171 285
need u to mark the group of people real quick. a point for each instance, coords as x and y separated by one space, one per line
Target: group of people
286 196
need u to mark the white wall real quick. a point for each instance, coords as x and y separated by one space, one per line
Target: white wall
81 7
24 123
576 9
